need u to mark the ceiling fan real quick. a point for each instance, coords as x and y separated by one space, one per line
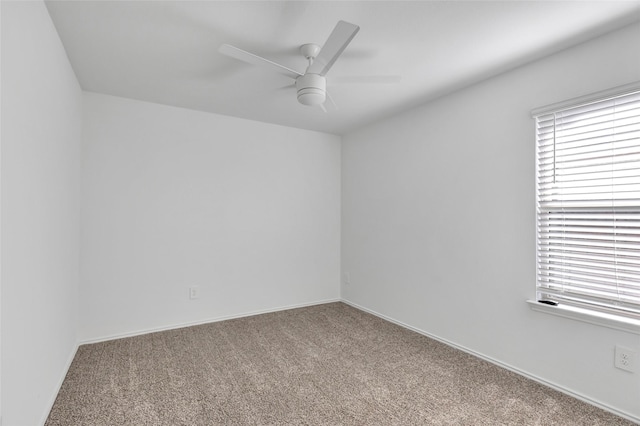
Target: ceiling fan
312 84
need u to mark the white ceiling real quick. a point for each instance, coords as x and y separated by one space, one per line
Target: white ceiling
406 53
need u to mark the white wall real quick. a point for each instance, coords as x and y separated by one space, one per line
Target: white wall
41 134
0 219
438 222
247 211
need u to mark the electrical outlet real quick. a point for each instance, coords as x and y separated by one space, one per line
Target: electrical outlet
347 278
194 292
625 359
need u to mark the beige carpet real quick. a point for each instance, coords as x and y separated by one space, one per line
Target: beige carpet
322 365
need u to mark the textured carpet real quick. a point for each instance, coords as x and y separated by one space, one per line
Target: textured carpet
322 365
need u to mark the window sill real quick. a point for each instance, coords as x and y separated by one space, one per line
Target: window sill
606 320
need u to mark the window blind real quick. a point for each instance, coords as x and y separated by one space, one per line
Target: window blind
588 205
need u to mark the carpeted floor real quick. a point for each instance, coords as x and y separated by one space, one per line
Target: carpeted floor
322 365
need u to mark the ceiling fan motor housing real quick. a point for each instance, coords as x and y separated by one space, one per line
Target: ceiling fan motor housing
312 89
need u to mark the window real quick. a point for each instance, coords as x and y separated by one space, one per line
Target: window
588 203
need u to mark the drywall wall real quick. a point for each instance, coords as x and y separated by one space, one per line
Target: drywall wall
41 137
172 198
438 222
0 221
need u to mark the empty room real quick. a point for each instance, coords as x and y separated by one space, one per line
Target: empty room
320 213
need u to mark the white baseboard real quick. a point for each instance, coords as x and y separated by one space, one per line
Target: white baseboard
203 321
53 397
540 380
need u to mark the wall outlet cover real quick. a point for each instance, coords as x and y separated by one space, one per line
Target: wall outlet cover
194 292
625 358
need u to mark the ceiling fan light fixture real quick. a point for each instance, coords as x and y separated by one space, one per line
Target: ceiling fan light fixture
312 89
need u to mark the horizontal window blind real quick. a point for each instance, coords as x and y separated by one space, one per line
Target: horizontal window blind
588 205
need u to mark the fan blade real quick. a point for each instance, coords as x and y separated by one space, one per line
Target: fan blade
366 79
338 40
252 59
335 105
